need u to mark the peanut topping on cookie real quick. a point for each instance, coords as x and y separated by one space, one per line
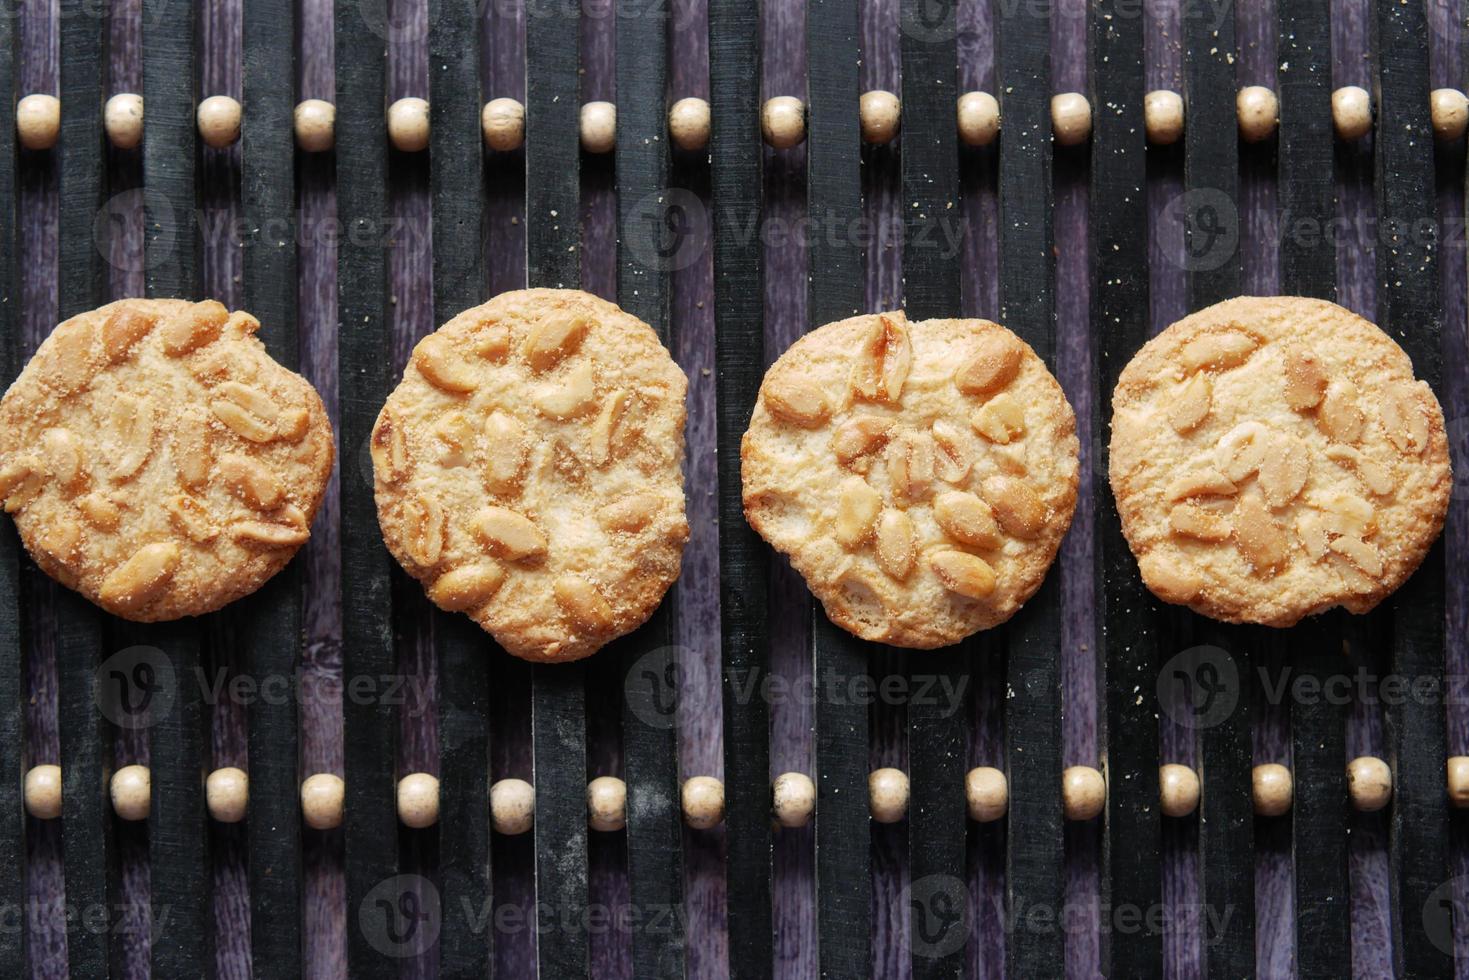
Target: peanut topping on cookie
158 461
921 501
1252 504
528 470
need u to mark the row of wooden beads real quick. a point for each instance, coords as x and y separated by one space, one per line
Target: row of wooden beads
782 120
512 801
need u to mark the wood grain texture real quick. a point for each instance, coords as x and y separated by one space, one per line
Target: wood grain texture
936 725
84 732
268 624
463 649
12 733
649 232
735 147
1409 309
1130 643
1034 873
371 823
834 201
1318 725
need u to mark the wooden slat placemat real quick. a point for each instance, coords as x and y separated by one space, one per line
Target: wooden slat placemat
1034 876
267 625
936 725
835 260
650 662
1129 645
78 641
12 680
464 651
370 743
744 574
1318 725
178 835
1409 309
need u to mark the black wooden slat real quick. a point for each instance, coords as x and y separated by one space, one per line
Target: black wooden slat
649 740
1211 177
12 817
1034 874
463 649
558 695
82 728
936 728
1129 643
177 830
834 200
367 641
1410 311
1318 726
267 625
734 86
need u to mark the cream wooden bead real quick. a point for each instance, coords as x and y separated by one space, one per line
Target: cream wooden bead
316 124
703 802
1450 112
1351 112
794 799
1272 789
322 796
219 121
408 125
1071 118
502 123
43 792
1083 792
1178 790
132 792
1458 781
512 806
1259 111
1163 117
599 127
227 794
1369 780
979 118
783 121
688 124
418 800
881 114
887 795
987 792
122 117
607 804
38 121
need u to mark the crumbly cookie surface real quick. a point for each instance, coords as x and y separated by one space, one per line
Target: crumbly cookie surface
157 460
528 470
1273 458
920 476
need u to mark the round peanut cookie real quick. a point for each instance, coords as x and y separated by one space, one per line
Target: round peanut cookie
920 476
528 470
158 461
1272 457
